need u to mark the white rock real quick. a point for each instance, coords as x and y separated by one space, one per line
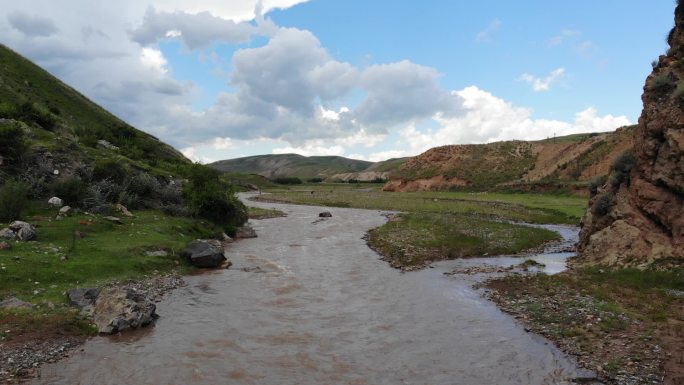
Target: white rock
56 202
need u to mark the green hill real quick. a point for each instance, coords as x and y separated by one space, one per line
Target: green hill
291 165
58 118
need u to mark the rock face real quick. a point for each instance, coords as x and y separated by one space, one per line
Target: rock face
117 309
204 253
637 218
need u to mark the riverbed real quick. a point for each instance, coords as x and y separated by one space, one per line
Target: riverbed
307 302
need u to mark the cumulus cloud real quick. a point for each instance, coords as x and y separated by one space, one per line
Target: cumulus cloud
543 84
195 30
31 25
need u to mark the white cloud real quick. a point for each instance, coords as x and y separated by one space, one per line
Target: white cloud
31 25
586 48
487 35
543 84
191 153
562 37
154 59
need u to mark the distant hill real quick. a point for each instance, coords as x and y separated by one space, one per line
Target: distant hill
292 165
513 164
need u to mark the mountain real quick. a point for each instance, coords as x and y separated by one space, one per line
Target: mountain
513 164
637 218
291 165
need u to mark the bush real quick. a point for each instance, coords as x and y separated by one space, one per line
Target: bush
679 93
602 205
622 167
661 83
597 183
315 180
212 198
72 190
12 142
109 169
290 180
13 199
144 185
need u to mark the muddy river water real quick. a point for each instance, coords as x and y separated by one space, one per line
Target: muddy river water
309 303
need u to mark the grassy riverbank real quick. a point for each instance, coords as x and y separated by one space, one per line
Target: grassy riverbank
628 325
445 225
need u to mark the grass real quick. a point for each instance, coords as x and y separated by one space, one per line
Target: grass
533 208
419 238
259 213
445 225
86 250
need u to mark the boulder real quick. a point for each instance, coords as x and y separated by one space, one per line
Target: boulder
7 233
117 309
113 220
325 214
65 210
158 253
245 231
55 202
82 298
14 303
203 253
105 144
23 231
123 210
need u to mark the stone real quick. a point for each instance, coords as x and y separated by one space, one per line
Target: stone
325 214
123 210
158 253
23 231
55 202
245 231
205 254
118 309
7 233
113 220
5 246
105 144
227 238
14 303
65 210
82 298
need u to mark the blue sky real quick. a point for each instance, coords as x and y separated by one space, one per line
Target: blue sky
365 79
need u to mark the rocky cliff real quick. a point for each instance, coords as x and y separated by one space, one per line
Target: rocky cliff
637 218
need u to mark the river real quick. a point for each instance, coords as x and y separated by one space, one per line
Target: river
307 302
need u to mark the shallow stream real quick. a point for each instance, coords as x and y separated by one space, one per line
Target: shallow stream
309 303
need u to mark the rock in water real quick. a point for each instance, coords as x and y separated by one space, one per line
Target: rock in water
637 218
203 253
117 309
82 298
325 214
245 231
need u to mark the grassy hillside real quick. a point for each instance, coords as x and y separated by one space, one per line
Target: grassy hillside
59 115
291 165
572 159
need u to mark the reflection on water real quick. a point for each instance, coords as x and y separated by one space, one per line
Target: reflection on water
311 304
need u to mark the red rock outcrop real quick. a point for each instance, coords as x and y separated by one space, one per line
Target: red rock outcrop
638 217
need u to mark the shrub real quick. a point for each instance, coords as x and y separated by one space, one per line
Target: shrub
12 142
602 205
315 180
678 93
661 83
597 183
13 199
212 198
72 190
144 185
109 169
621 169
289 180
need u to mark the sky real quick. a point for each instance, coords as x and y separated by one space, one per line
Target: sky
372 80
